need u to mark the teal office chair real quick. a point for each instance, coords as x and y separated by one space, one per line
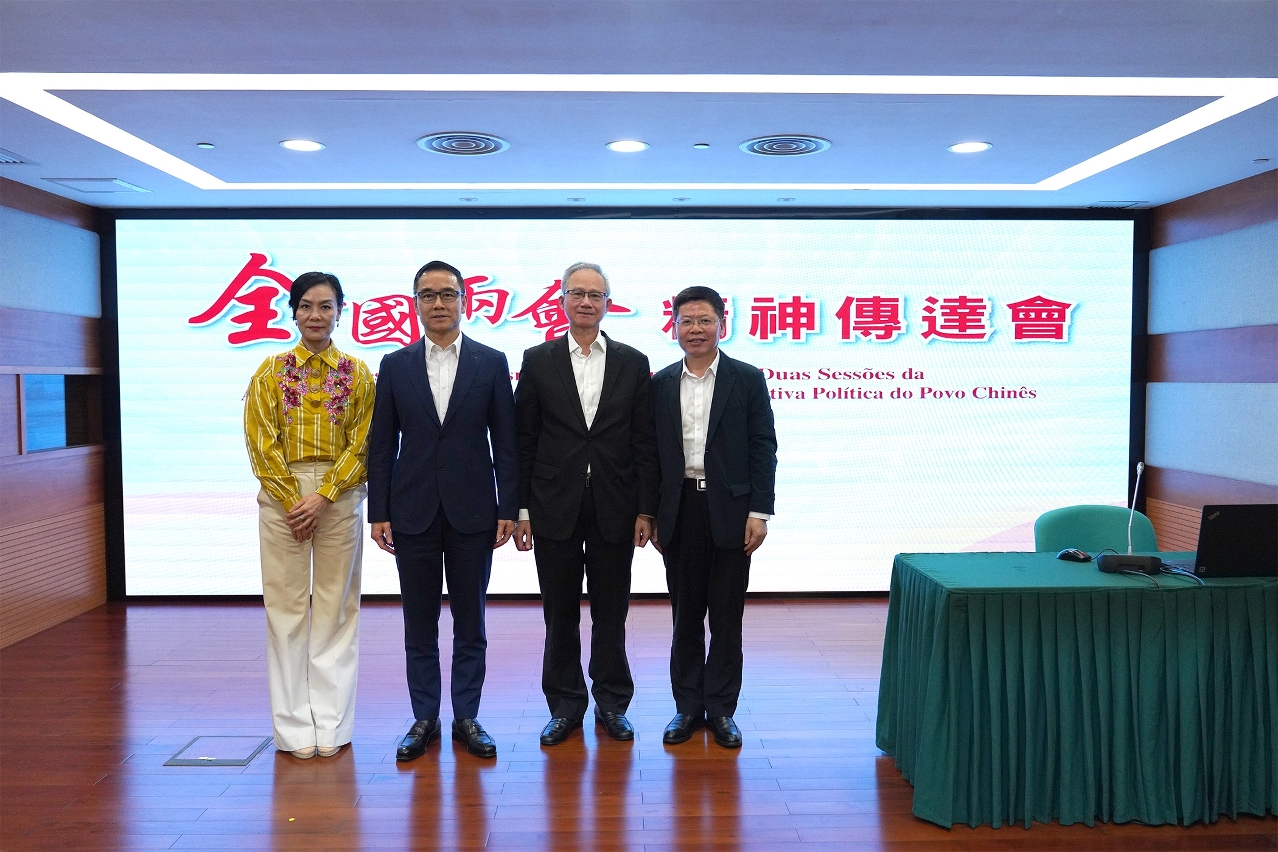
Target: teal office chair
1093 528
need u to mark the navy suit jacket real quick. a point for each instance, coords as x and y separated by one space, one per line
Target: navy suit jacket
416 463
741 450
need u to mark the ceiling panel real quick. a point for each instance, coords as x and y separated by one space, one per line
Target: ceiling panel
559 137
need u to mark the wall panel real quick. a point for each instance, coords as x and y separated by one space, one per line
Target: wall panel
49 483
49 342
50 570
1217 211
1247 354
52 537
1225 281
1212 412
48 266
10 423
1176 526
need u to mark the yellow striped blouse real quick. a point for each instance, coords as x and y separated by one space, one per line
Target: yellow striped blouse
302 407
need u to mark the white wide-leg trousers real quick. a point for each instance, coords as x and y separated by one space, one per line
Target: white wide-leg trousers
311 592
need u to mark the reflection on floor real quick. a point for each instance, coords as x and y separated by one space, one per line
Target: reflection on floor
91 709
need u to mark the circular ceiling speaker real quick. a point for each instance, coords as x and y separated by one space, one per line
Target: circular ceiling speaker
463 144
785 146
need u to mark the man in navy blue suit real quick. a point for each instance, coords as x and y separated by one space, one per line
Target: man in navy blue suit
440 502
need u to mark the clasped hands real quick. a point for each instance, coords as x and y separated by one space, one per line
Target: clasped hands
305 515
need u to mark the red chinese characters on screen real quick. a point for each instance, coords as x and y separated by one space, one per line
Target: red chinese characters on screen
956 318
385 319
1040 318
485 300
260 313
776 317
871 317
725 327
546 314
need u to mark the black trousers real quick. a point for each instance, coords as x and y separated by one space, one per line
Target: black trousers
701 578
423 560
605 565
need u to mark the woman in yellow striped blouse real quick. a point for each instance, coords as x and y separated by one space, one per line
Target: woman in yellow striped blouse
306 418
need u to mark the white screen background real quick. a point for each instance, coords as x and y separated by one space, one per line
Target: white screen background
858 480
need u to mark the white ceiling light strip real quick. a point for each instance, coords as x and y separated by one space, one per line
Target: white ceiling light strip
73 118
1234 95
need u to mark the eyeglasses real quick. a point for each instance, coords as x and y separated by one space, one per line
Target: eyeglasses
594 296
426 297
706 323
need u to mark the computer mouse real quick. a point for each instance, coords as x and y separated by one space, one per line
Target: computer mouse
1073 554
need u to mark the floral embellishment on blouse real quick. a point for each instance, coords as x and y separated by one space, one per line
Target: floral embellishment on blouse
337 384
292 378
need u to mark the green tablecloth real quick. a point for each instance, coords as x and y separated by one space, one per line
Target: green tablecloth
1017 687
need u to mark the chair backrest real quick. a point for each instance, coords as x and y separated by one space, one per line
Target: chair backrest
1093 528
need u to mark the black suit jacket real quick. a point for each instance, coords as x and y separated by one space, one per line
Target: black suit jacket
416 463
555 446
741 450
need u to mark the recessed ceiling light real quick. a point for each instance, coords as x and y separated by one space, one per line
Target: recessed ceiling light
205 145
627 146
681 198
785 199
467 198
970 147
301 145
1260 160
701 145
576 199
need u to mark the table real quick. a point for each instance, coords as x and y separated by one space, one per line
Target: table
1017 687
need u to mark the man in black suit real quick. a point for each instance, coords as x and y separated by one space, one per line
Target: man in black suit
718 452
439 501
588 490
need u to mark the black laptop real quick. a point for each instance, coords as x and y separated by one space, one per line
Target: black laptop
1238 541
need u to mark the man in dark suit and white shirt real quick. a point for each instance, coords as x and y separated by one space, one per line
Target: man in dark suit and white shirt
718 453
588 490
439 501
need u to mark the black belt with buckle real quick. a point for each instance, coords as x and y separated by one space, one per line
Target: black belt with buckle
700 481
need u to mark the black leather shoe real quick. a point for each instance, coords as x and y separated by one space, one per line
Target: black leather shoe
413 744
726 733
475 738
557 730
617 725
680 728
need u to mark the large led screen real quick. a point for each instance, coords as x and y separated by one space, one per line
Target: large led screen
937 384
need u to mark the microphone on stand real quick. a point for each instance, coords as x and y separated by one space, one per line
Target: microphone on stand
1140 468
1113 563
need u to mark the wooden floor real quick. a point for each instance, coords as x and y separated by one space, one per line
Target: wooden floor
91 709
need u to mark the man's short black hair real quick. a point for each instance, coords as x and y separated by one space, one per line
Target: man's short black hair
306 281
697 294
437 266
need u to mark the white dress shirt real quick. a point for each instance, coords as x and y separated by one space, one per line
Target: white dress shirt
588 371
441 367
695 396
